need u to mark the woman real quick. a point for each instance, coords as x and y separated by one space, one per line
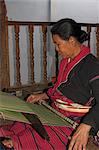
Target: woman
75 94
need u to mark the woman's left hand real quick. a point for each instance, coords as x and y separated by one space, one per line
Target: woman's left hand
80 138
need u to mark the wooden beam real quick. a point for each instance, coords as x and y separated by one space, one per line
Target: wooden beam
4 55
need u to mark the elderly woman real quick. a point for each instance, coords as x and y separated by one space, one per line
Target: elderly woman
75 94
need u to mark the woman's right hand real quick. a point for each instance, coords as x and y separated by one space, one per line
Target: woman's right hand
37 97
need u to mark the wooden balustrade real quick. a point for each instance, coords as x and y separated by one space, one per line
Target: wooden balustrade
31 53
18 85
31 26
18 76
44 30
4 50
89 31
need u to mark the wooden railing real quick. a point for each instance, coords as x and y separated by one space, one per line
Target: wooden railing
31 25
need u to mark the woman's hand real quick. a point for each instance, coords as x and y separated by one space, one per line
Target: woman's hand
80 138
37 97
8 143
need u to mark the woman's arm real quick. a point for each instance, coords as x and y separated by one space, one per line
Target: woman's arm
92 117
91 120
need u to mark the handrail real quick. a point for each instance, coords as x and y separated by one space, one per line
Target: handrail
47 23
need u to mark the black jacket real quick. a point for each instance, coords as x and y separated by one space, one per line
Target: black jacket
82 84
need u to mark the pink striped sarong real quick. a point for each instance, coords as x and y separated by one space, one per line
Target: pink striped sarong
25 137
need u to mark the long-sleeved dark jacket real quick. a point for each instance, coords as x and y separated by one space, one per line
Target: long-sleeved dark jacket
82 84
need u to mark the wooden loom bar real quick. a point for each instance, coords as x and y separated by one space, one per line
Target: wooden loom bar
18 76
31 52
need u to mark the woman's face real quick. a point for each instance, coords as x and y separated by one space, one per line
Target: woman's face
63 47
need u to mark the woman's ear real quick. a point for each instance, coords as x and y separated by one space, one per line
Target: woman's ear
72 41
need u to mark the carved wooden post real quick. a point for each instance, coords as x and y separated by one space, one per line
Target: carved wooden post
97 37
89 31
44 30
31 52
4 54
18 77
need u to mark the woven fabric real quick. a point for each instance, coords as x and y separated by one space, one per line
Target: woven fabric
26 138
